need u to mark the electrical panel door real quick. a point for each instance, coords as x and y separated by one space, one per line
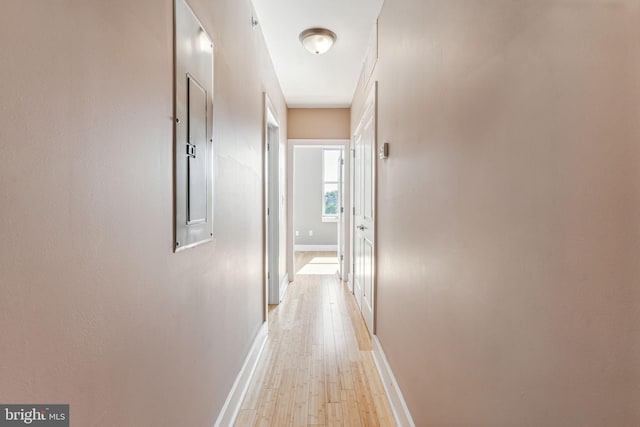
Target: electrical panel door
196 150
193 149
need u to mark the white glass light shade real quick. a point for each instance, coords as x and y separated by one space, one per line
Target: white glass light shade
317 40
204 41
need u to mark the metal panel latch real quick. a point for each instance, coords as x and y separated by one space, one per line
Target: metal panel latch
191 150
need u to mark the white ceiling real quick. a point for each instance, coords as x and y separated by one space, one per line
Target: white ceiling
309 80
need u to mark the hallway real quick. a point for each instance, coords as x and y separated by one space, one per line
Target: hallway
316 367
487 203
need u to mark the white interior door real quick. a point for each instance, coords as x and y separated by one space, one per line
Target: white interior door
364 212
273 207
357 215
273 272
341 215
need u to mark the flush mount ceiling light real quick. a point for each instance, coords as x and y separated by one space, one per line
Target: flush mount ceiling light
317 40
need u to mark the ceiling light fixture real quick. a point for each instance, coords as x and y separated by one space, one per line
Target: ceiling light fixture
317 40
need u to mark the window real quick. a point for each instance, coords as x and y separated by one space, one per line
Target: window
330 182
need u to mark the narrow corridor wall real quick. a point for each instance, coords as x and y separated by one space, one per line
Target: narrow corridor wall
96 311
508 211
319 123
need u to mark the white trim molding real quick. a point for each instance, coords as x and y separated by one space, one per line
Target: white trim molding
329 219
319 142
231 408
316 248
396 400
284 285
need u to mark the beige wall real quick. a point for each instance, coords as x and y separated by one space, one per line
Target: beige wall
95 309
318 123
509 210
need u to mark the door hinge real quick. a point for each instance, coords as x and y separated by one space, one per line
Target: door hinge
341 257
342 162
354 210
341 209
268 275
267 211
268 147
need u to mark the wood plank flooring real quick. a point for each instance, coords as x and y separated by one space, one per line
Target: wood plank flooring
304 258
316 368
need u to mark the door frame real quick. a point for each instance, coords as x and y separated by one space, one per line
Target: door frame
342 213
270 211
345 144
370 104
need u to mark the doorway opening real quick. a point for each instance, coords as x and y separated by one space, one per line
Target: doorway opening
319 197
275 276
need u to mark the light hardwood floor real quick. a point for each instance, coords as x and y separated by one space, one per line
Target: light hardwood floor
302 259
316 368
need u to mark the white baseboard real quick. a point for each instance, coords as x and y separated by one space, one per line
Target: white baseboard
284 285
316 248
396 400
232 405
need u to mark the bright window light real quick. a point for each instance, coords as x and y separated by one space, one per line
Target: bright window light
330 182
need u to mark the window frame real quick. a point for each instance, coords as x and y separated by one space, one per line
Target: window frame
329 217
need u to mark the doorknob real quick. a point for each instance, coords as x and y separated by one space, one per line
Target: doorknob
362 227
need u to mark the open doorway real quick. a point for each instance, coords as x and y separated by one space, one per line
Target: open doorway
275 274
317 196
